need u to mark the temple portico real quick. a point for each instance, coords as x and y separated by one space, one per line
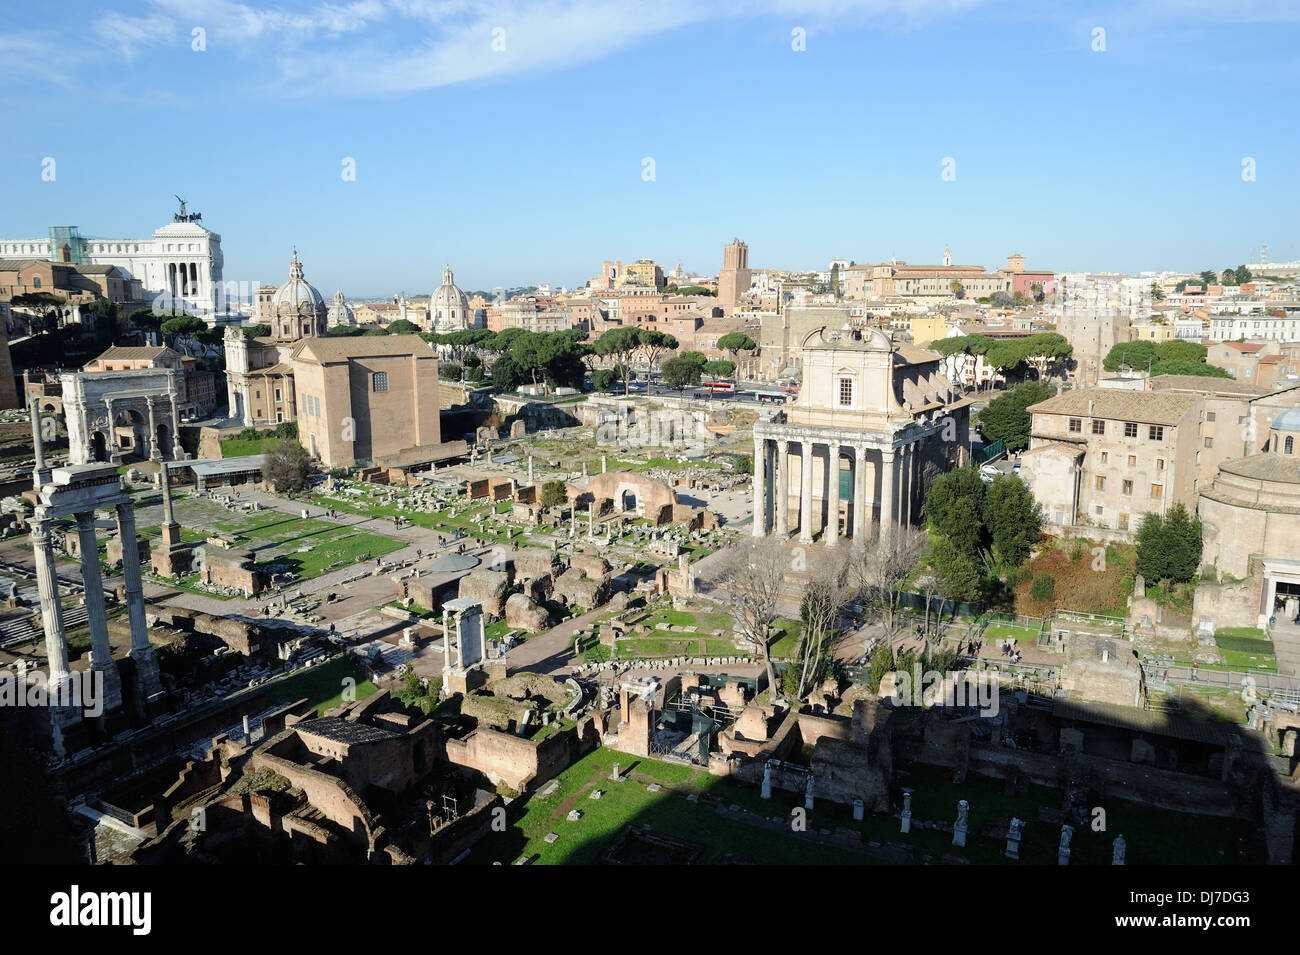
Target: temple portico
843 484
78 491
874 422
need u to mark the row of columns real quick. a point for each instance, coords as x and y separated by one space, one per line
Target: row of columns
898 466
183 278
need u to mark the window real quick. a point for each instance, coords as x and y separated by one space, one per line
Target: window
1209 416
1101 482
1157 492
1076 425
1209 442
1289 445
1105 456
846 392
277 395
1127 488
1160 464
1130 429
1123 522
1132 460
1156 433
1099 427
379 381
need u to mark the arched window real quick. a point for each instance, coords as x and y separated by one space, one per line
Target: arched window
1290 443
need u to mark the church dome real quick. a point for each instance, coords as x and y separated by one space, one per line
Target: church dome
1288 420
448 305
297 309
339 313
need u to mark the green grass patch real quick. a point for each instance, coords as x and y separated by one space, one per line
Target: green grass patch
323 685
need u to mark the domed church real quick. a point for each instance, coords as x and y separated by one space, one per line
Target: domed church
259 379
1250 518
449 306
297 309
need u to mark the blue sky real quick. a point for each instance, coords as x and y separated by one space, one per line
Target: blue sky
525 165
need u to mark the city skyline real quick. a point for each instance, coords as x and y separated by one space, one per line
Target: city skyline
734 114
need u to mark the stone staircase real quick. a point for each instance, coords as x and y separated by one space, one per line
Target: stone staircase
22 630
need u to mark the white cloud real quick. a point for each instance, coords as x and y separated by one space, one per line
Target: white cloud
130 34
366 47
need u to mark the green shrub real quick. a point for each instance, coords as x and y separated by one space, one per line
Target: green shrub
1043 588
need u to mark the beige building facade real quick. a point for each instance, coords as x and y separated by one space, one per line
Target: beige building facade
872 427
369 400
1103 457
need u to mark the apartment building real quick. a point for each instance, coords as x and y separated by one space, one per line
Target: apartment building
1103 457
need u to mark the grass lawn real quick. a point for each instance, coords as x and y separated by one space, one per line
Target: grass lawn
1153 836
630 801
1009 631
322 685
785 645
467 521
1246 648
238 447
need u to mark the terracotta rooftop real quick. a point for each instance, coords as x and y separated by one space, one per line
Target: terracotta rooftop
338 348
1148 407
142 353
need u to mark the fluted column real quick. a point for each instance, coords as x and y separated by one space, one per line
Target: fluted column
783 487
831 535
101 654
887 494
149 684
760 487
805 491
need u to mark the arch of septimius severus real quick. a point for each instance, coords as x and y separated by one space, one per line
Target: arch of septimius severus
874 422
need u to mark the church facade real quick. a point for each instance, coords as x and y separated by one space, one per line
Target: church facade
874 424
259 377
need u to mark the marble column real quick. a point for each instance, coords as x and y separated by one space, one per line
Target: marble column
887 494
177 453
155 452
805 492
911 481
56 642
40 471
142 652
861 516
101 654
760 487
783 487
831 535
110 435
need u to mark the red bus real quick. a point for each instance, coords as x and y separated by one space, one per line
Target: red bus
719 387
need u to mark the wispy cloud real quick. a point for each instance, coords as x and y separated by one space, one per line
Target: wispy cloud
368 47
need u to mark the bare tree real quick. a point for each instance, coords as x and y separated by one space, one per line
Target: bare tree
882 565
824 596
751 579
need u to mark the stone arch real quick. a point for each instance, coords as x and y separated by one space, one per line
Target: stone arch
163 437
98 447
